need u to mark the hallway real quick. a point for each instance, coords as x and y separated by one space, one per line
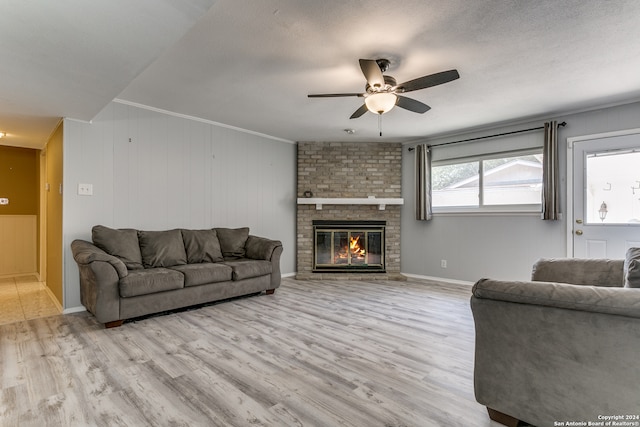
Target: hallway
24 298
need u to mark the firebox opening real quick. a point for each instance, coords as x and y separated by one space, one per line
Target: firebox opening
348 246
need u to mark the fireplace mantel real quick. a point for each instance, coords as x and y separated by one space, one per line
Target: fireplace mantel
319 201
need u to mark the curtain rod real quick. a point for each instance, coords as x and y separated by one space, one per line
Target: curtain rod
489 136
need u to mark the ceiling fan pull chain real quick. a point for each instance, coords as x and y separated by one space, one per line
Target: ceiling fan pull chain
380 124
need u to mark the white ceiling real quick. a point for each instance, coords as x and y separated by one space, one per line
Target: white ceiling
70 58
250 64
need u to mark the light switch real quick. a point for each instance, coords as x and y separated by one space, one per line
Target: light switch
85 189
4 201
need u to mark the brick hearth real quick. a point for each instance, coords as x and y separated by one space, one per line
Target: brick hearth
349 170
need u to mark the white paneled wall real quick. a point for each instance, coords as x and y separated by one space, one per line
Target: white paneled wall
156 171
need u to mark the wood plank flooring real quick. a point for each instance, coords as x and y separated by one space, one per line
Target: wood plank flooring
316 353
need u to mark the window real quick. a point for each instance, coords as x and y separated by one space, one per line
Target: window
492 182
613 189
454 185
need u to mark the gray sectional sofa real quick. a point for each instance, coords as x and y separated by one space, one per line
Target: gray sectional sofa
561 347
127 273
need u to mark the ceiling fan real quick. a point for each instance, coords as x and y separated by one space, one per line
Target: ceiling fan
382 93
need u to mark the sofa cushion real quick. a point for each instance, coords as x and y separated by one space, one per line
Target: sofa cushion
246 269
122 244
162 248
203 273
232 241
632 268
150 281
202 246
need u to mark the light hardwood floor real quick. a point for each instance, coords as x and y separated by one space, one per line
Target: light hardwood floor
316 353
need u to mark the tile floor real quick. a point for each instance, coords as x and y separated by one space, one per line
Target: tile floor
23 298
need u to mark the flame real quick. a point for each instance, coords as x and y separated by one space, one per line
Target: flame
354 250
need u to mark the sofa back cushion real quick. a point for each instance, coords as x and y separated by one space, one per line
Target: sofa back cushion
202 246
232 241
577 271
122 244
162 248
632 268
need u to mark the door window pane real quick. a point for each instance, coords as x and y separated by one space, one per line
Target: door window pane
612 190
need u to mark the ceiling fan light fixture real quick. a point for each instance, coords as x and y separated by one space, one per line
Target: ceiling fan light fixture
380 103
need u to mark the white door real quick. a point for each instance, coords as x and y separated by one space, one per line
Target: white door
606 195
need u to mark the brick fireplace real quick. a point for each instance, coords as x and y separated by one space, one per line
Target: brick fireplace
349 246
349 184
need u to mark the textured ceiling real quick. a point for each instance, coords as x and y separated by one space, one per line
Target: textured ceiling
70 58
250 64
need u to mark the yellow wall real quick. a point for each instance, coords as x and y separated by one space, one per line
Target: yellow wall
54 214
19 180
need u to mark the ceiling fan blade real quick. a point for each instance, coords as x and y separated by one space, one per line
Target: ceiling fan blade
359 112
412 105
333 95
372 72
428 81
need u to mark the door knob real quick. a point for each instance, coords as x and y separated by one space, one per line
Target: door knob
578 232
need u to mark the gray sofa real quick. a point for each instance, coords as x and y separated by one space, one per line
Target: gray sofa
561 347
127 273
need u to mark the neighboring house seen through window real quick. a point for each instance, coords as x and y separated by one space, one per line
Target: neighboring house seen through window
496 182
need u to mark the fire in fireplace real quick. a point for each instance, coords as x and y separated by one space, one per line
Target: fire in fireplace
344 246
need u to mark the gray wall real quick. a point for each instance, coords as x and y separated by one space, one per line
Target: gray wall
501 246
155 171
178 172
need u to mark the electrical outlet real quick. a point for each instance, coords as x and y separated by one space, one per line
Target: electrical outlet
443 263
85 189
4 201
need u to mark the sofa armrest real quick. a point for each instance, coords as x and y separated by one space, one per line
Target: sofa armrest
606 300
85 253
577 271
261 247
266 249
100 274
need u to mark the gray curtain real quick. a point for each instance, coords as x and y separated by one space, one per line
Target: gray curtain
423 183
550 176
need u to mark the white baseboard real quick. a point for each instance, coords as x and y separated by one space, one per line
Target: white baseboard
57 303
288 275
438 279
71 310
